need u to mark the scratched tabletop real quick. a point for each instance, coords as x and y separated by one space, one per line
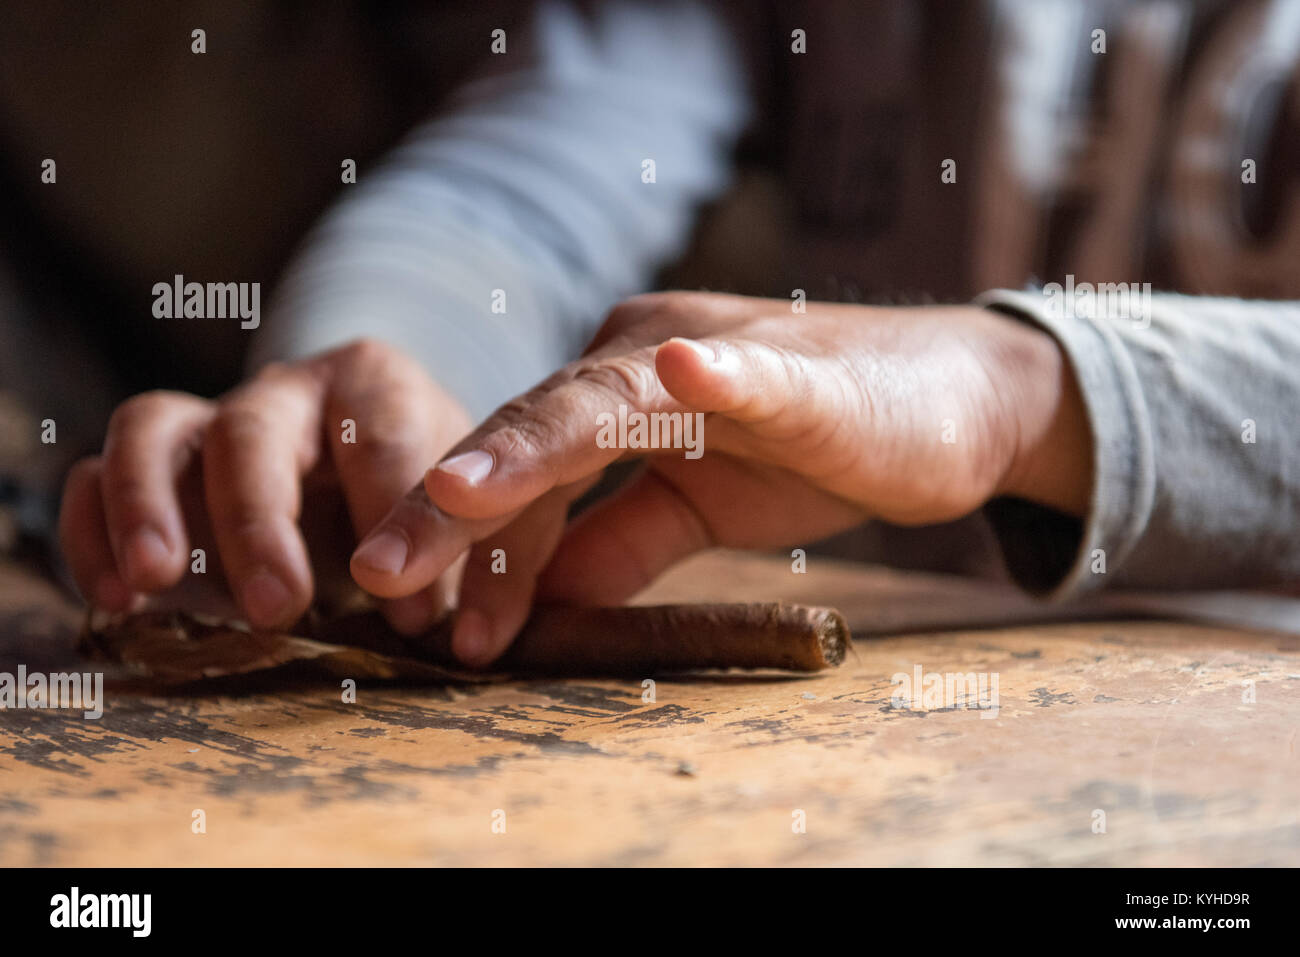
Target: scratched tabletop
1114 742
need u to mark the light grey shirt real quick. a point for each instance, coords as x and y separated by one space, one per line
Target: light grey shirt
493 241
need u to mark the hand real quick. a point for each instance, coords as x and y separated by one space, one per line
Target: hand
249 473
815 422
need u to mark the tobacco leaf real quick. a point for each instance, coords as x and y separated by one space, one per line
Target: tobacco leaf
175 648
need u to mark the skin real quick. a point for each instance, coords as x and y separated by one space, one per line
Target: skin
814 423
244 477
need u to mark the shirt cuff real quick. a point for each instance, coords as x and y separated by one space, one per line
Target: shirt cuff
1057 556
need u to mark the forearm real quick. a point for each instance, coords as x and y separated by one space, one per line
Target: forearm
492 243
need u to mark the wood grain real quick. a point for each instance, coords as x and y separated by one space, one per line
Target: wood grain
1144 721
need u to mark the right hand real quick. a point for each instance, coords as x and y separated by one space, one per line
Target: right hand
249 475
815 422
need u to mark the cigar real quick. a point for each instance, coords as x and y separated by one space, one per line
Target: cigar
639 639
177 648
652 638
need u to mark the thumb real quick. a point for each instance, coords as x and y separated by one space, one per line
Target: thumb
621 544
743 380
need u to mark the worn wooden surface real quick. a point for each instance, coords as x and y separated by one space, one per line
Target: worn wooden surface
1144 721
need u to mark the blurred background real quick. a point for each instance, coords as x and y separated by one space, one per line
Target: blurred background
1118 163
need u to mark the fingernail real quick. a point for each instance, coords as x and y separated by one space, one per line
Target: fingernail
699 348
473 467
265 598
472 638
385 552
145 549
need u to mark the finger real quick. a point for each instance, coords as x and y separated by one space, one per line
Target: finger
744 380
570 427
417 612
151 440
414 544
264 438
774 405
501 576
400 423
83 534
678 507
620 545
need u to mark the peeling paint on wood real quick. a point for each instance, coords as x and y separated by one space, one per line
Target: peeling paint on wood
1144 721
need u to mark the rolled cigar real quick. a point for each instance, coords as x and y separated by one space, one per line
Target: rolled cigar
638 639
176 648
651 638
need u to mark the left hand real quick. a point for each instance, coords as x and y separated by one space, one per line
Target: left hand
261 478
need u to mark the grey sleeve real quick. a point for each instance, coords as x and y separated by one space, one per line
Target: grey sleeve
492 242
1193 405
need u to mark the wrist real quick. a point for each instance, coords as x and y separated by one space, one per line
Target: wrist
1052 450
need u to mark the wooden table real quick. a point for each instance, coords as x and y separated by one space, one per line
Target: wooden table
1143 721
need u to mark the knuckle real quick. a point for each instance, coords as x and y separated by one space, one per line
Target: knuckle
794 366
363 356
663 314
271 379
533 434
233 428
526 438
524 405
511 411
272 372
631 376
760 346
381 445
641 310
139 410
647 306
366 350
368 367
631 311
248 525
